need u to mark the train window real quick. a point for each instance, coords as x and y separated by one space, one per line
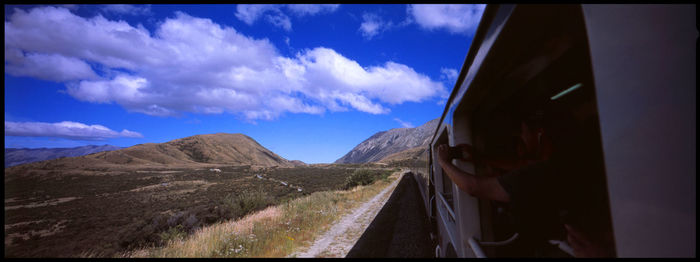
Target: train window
446 182
540 69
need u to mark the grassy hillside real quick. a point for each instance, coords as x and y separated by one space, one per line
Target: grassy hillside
188 152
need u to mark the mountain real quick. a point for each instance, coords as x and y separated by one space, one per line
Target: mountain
298 163
383 144
411 153
18 156
199 150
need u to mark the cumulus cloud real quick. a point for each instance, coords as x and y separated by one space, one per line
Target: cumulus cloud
458 18
403 123
191 64
337 77
127 9
274 14
65 129
53 67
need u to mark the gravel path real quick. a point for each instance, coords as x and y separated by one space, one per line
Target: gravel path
337 241
400 229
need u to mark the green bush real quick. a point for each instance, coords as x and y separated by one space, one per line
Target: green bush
360 177
385 175
247 202
176 232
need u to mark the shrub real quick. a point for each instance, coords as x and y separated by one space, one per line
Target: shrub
385 175
246 202
275 232
173 233
191 222
359 177
175 219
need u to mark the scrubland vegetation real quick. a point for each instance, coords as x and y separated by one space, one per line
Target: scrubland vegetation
106 213
276 231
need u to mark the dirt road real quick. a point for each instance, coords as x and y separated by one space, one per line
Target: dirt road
338 240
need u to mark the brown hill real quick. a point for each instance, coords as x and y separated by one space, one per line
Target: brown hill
298 163
199 150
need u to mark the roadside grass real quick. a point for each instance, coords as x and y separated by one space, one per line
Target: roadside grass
276 231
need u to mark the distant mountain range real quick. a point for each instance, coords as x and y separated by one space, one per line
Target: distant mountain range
18 156
199 150
394 144
219 149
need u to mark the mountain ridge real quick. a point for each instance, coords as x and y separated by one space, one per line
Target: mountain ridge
197 150
385 143
18 156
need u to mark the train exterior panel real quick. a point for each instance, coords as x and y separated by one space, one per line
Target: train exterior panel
625 74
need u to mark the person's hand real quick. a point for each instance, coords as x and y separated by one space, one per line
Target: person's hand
467 152
585 247
443 153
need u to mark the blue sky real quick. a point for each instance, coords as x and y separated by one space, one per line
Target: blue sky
308 82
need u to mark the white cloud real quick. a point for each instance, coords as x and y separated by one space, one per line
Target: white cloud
72 7
325 70
51 30
403 123
372 25
458 18
65 129
274 14
311 9
192 64
127 9
448 74
53 67
250 13
280 20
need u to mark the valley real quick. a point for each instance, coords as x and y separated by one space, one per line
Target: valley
69 214
112 202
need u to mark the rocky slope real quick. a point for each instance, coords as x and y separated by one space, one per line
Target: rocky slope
393 141
18 156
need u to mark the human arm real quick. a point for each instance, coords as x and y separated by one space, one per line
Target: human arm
507 164
478 186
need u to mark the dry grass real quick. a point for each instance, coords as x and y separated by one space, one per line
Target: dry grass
51 202
273 232
195 183
53 229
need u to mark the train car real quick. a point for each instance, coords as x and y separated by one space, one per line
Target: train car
622 78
